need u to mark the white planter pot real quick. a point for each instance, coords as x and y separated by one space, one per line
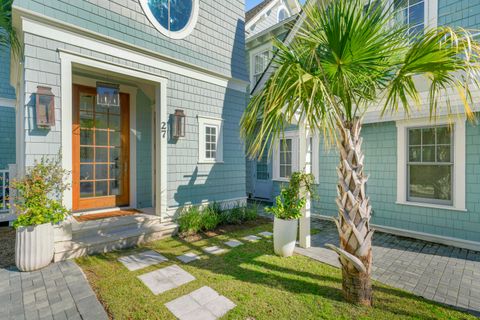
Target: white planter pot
284 236
34 247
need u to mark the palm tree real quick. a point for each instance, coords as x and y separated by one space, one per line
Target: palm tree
8 36
346 59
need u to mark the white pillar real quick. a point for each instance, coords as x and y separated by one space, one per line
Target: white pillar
305 163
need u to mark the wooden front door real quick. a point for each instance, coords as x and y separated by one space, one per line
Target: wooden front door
101 149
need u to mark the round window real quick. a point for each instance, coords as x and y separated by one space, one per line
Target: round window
174 18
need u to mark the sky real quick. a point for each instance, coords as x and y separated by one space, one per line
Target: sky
249 4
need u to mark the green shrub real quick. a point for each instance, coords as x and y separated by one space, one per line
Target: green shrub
210 218
251 213
292 199
193 219
190 220
38 197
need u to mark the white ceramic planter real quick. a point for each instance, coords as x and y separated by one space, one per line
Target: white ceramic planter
34 247
284 236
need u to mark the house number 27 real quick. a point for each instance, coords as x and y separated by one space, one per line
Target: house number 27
164 129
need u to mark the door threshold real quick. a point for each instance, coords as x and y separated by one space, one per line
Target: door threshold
103 210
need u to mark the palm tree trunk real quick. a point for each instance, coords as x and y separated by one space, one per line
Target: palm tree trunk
353 222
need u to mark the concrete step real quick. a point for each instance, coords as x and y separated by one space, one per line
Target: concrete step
107 239
108 225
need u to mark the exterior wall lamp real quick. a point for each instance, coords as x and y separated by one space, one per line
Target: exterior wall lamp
45 107
108 94
179 124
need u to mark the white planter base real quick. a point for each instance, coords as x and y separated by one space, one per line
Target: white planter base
284 236
34 247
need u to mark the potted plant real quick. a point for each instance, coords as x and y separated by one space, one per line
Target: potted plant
287 210
38 204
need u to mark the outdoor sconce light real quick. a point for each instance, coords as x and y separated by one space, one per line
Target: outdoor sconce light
108 94
45 107
179 124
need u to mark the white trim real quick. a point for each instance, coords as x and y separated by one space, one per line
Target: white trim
316 157
260 14
260 49
292 134
132 91
117 49
187 30
214 122
67 60
449 241
280 8
8 103
459 161
431 14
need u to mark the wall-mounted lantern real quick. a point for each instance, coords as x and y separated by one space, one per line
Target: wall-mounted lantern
45 107
179 124
108 94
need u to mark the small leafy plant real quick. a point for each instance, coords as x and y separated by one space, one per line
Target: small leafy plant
292 199
194 219
38 197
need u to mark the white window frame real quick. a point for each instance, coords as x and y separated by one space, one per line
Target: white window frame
204 122
430 13
253 53
280 8
313 161
459 161
187 30
276 155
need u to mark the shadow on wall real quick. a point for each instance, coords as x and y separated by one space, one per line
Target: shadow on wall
225 180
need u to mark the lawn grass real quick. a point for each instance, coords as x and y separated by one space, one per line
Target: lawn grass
262 285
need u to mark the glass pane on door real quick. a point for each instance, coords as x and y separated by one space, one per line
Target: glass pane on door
262 166
100 149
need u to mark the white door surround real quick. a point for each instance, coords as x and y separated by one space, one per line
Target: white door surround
68 59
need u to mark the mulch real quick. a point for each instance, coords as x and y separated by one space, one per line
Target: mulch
7 247
223 230
103 215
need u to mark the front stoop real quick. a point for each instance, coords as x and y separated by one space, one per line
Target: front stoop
75 239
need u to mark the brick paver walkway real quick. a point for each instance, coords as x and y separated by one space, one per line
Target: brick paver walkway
437 272
60 291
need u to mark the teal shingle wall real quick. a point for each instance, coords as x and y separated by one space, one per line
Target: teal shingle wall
217 42
6 90
380 164
459 13
144 150
7 136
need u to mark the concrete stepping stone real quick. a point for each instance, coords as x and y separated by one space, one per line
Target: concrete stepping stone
167 278
188 257
214 250
202 304
266 234
142 260
251 238
233 243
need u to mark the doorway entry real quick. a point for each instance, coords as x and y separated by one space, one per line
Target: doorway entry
100 151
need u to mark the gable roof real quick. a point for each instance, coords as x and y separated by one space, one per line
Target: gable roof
253 12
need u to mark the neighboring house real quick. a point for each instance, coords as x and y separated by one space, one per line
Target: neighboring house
269 20
424 178
122 73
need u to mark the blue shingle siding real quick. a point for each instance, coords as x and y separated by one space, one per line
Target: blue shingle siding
6 90
188 181
144 150
459 13
381 165
217 42
7 136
